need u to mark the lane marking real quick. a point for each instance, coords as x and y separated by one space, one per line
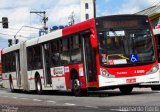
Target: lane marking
36 100
91 106
69 104
14 97
24 98
119 110
5 96
49 101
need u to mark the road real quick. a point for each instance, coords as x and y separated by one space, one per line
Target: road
141 99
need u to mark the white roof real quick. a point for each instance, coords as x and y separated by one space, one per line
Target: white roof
44 38
11 48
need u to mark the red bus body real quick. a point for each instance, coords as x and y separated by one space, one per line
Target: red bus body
92 67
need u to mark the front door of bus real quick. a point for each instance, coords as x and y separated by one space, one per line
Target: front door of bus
89 58
46 63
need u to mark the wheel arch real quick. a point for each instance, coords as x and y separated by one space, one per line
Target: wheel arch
74 73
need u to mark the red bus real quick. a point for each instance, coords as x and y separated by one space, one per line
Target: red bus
103 53
156 84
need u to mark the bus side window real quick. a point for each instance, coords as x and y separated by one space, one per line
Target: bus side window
65 44
11 61
65 54
3 63
55 53
37 57
14 62
76 54
7 63
29 58
158 46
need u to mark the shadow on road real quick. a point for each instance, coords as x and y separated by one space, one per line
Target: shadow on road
108 93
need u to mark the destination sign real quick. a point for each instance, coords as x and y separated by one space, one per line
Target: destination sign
120 24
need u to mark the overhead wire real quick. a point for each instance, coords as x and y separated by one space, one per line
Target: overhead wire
20 32
6 34
149 11
18 29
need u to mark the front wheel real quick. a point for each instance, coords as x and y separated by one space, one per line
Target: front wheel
76 88
126 89
39 86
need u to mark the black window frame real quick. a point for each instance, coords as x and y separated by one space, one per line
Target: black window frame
54 52
87 16
86 6
34 61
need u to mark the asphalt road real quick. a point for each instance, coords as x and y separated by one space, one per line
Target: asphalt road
141 99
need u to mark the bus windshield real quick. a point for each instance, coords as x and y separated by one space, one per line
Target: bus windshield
127 46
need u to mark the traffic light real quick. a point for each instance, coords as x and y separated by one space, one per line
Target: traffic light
17 41
9 42
4 22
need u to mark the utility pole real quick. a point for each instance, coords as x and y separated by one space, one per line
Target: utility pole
71 19
44 18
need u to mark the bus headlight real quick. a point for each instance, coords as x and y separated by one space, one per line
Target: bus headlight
105 73
154 69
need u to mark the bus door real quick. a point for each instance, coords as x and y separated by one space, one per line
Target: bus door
89 58
18 75
46 63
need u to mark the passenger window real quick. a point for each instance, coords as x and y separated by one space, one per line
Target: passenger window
65 44
55 53
76 54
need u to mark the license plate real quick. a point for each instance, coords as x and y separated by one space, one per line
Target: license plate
131 80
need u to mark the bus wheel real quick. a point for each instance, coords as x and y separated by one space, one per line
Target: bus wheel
76 88
38 85
126 89
11 85
154 88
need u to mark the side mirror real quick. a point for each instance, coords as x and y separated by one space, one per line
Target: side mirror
93 40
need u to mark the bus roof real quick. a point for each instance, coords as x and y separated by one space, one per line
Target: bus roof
44 38
11 48
53 35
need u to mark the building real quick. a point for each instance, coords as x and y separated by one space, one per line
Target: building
88 9
154 15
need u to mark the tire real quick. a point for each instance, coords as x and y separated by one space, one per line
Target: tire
155 88
76 88
38 86
11 85
125 90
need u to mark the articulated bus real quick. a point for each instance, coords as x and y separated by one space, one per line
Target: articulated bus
102 53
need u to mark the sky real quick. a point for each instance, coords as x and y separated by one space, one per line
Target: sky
57 11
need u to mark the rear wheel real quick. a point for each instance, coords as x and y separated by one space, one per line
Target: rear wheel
38 86
126 89
76 88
